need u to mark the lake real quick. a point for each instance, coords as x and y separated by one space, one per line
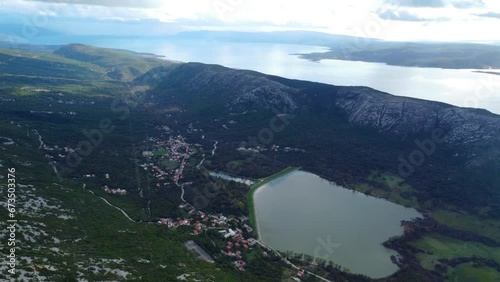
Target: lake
306 214
457 87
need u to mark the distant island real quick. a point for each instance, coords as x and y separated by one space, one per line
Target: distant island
488 72
342 47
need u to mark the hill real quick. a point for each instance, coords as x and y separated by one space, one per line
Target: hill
71 129
119 64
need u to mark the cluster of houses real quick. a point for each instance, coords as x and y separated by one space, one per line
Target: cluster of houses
274 148
191 129
159 174
54 149
175 149
171 223
235 240
236 243
116 191
70 113
277 148
70 101
240 265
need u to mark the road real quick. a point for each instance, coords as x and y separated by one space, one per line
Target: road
109 204
288 262
215 147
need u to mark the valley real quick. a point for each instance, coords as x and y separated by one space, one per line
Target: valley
145 134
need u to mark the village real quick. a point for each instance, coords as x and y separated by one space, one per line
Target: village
173 154
233 236
230 230
165 161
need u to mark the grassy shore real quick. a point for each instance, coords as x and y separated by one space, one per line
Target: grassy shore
251 208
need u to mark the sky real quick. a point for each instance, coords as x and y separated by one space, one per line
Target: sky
399 20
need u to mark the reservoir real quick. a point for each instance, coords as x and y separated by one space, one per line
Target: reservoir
304 213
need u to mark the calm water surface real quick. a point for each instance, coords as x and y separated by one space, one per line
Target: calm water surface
307 214
457 87
463 88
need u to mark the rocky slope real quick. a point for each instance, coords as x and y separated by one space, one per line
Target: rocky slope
405 117
477 129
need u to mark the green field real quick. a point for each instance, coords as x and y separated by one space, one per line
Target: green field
462 221
469 273
395 186
437 247
160 153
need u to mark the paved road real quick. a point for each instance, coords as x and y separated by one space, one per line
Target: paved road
288 262
109 204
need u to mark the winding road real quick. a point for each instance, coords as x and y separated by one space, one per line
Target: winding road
215 147
39 138
109 204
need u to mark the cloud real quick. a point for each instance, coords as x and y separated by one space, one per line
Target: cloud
489 15
459 4
107 3
466 4
399 16
397 20
418 3
402 15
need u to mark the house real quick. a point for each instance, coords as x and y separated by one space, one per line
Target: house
252 241
248 228
229 233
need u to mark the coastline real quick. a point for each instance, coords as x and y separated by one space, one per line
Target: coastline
252 218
